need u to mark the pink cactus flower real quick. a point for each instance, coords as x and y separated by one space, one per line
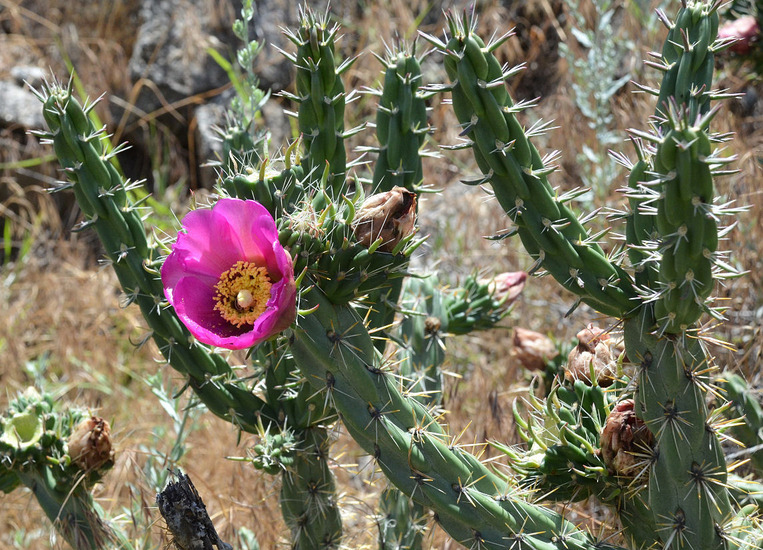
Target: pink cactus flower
228 277
745 30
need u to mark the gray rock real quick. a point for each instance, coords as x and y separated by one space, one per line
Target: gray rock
27 74
273 69
19 108
170 54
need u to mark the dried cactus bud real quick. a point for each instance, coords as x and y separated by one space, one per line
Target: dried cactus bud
593 348
623 436
532 349
506 287
745 30
390 215
90 443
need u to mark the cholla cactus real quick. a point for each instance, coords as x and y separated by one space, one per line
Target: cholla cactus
657 461
58 454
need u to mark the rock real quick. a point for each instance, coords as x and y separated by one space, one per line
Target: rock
27 74
170 53
273 69
19 108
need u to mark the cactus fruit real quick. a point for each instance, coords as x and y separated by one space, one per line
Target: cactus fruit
58 454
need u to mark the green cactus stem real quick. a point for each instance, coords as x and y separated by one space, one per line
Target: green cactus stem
299 451
401 122
335 353
686 61
102 195
746 405
687 471
517 174
321 97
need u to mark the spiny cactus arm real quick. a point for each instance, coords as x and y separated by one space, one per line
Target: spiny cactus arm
401 122
102 195
511 164
747 406
421 352
298 449
683 106
687 491
308 494
686 222
321 97
687 58
334 351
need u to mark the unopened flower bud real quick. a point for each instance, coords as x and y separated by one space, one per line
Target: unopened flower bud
506 287
532 349
90 443
624 435
593 349
390 216
746 31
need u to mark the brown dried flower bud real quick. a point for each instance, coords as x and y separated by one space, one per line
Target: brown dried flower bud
506 287
390 215
623 436
90 443
593 348
532 349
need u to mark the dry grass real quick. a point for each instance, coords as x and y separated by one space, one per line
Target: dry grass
59 303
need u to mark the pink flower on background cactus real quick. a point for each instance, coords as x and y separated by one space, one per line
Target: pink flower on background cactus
746 30
506 287
228 277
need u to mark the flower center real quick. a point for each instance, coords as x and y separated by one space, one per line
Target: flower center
242 293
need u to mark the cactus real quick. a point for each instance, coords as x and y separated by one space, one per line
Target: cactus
401 122
58 455
321 97
648 447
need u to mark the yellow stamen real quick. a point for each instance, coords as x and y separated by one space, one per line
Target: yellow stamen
242 293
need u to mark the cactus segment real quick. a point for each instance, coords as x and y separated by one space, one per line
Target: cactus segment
101 193
321 98
688 59
683 101
308 494
334 351
746 405
518 176
687 479
401 123
686 223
